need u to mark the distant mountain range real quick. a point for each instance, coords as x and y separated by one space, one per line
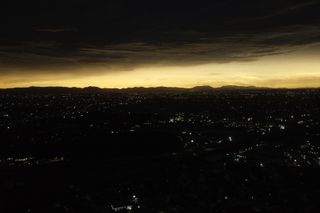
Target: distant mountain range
227 87
132 89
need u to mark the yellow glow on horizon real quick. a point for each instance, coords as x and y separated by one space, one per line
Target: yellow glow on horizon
290 71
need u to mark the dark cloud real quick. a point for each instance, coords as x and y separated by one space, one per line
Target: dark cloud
52 30
121 35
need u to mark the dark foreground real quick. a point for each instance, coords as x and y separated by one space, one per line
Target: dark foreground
164 151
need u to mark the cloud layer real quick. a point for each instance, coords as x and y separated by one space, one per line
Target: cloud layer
125 35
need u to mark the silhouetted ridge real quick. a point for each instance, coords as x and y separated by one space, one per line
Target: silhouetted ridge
202 88
98 90
235 87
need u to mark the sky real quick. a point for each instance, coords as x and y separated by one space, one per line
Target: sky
121 43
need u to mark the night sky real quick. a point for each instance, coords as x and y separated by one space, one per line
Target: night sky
274 43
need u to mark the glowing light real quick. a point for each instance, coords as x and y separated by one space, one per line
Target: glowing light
290 70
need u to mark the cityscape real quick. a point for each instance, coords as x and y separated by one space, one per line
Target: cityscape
159 149
123 106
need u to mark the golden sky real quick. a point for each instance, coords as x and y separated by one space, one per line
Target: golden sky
119 44
294 69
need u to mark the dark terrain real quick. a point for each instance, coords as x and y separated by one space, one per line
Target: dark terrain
230 149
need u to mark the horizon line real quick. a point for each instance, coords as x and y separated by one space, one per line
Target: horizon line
154 87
